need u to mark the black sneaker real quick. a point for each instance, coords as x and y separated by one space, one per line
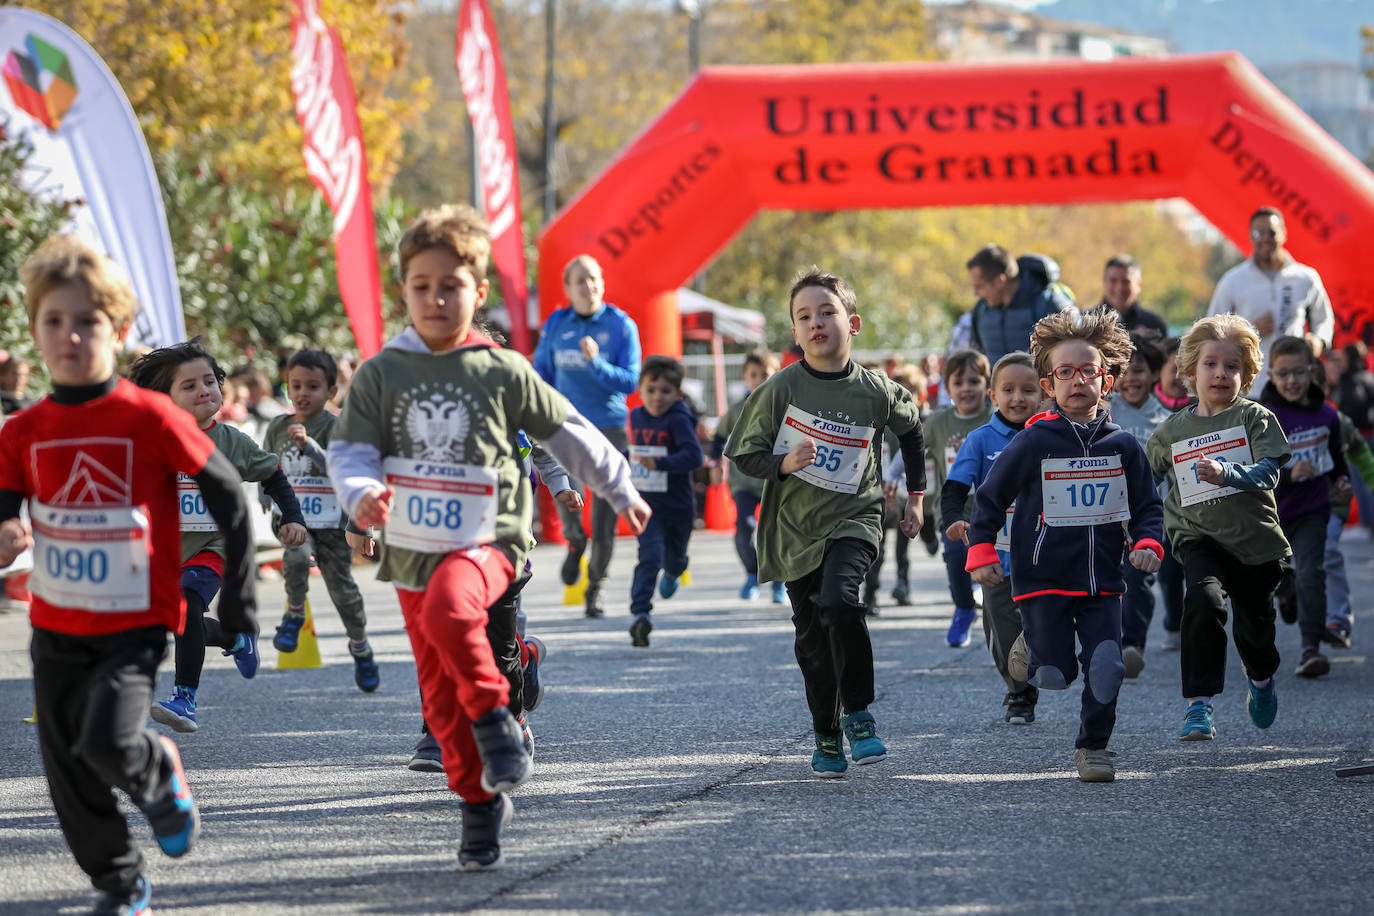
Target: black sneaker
571 570
639 631
1313 663
501 746
1021 706
595 609
134 902
480 848
1288 608
427 757
901 593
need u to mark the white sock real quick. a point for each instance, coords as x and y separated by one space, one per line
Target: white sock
1204 700
1264 683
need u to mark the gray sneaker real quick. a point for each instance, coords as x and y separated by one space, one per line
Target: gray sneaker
1172 641
1134 659
1018 659
1095 766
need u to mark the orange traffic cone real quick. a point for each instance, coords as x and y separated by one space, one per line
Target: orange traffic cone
307 654
720 508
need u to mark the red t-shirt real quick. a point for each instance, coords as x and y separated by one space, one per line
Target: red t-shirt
122 449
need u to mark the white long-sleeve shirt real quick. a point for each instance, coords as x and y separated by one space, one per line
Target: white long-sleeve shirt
1293 294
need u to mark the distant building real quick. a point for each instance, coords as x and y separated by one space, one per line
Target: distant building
993 31
1337 95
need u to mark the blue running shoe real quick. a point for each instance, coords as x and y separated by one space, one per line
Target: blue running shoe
827 760
428 758
1262 704
667 586
1200 724
864 744
174 817
366 674
958 635
178 713
245 654
480 848
534 690
288 632
500 744
135 902
750 590
779 593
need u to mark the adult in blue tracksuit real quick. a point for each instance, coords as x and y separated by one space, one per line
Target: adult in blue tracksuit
1013 294
590 352
1066 558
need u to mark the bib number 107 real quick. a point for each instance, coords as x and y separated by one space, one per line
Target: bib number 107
76 565
434 512
1088 495
828 458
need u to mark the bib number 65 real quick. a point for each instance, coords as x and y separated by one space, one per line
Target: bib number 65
828 458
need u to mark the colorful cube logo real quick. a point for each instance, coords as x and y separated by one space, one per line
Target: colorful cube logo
41 81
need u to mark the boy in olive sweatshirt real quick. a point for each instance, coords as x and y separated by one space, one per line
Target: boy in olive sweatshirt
813 434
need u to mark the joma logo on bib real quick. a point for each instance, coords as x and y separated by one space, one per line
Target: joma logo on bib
1077 463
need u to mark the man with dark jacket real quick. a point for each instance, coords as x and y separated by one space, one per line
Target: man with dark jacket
1013 294
1121 285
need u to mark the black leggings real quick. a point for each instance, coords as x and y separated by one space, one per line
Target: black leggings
200 631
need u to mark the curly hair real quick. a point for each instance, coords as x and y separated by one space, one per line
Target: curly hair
456 228
1231 328
1099 328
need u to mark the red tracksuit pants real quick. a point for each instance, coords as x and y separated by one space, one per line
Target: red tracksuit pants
459 680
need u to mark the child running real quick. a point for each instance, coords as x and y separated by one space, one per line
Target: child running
746 491
1222 458
1080 485
1136 409
1015 395
427 448
812 433
300 439
194 380
98 462
664 451
1303 496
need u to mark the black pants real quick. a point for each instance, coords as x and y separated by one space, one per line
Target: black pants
92 695
505 639
1306 580
833 648
1211 574
199 584
603 522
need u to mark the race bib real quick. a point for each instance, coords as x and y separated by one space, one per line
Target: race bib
92 559
843 451
1312 445
644 479
1003 539
319 505
440 507
194 516
1083 491
1225 445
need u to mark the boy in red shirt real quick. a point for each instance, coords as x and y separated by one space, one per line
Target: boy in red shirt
107 545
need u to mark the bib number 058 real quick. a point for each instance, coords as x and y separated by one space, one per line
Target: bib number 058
434 512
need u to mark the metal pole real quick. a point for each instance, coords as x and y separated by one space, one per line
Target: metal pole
550 126
475 171
694 41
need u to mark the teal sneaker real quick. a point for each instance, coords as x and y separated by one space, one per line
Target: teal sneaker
864 744
1262 704
1200 724
827 760
174 817
779 593
667 586
750 589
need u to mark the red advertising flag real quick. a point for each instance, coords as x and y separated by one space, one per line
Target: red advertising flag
334 157
483 77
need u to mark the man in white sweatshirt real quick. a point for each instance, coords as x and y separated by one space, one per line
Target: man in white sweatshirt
1274 292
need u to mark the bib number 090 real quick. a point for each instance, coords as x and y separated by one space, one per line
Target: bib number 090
434 512
1087 495
828 458
76 565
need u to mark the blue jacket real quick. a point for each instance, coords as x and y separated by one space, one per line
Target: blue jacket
999 331
596 388
971 466
1081 560
676 430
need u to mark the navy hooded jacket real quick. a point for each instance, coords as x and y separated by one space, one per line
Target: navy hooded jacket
1080 560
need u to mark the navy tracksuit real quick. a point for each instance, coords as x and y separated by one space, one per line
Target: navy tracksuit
1060 595
663 545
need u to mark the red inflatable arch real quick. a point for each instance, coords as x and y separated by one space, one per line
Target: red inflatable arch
1208 128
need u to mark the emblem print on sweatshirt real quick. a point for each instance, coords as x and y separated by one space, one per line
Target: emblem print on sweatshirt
436 425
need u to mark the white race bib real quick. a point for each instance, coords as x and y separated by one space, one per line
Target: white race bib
930 476
93 559
440 507
951 452
645 480
1083 491
843 452
319 505
1312 445
1003 539
194 516
1227 444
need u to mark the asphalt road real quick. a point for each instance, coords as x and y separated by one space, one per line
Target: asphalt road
675 779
